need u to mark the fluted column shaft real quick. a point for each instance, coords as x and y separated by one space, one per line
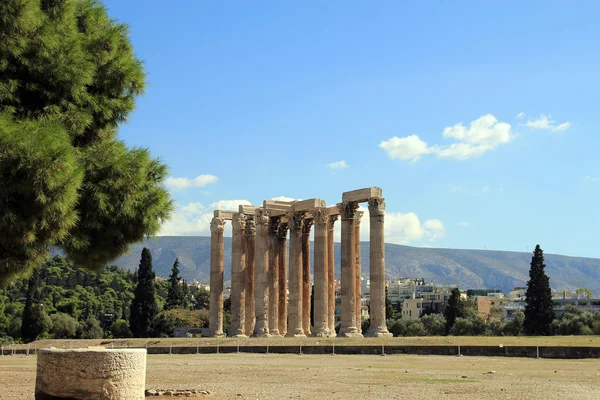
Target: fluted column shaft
216 277
377 267
249 274
295 283
348 327
261 271
274 277
331 274
321 271
282 309
358 299
238 266
306 275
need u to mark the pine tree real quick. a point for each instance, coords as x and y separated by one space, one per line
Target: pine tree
453 310
35 319
144 307
68 77
175 296
539 311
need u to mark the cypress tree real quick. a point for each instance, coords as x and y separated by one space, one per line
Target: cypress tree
389 307
144 307
35 320
539 311
68 78
175 295
453 310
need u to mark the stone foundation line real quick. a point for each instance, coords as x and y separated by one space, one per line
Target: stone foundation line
262 275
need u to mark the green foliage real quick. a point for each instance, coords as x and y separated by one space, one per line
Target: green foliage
120 329
91 329
473 326
454 309
35 319
407 327
539 311
68 77
514 327
577 322
585 293
144 307
434 324
63 326
389 307
365 324
175 296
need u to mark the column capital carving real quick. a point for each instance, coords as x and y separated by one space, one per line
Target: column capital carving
347 210
320 215
238 222
261 217
282 230
357 216
307 224
376 206
250 226
274 226
217 225
296 220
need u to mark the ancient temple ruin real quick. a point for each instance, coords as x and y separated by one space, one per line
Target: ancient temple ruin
260 305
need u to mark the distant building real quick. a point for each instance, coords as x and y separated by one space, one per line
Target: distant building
559 306
491 307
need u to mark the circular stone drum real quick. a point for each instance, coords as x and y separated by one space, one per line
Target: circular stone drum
91 374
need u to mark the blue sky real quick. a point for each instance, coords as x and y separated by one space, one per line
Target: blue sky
477 119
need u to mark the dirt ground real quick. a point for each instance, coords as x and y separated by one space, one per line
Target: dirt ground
278 376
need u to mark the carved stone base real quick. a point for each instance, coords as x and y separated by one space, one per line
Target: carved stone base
239 336
378 331
295 335
350 332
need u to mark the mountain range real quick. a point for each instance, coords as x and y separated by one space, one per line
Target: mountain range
470 269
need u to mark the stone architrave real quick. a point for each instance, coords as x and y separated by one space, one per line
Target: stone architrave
249 274
216 277
294 329
274 276
261 271
358 301
348 282
321 273
377 267
282 308
238 269
331 273
306 289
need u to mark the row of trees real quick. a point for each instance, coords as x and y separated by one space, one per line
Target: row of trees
62 301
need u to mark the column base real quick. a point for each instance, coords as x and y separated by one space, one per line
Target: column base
350 332
239 336
275 333
217 335
319 333
296 334
379 331
261 335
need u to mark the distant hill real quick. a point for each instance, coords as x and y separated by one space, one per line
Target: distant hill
467 268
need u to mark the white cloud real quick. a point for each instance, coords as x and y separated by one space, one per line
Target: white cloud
434 229
546 122
338 165
407 148
562 127
174 183
484 134
284 198
463 224
520 115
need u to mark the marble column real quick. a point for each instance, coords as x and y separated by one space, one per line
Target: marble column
261 271
249 274
358 301
282 309
321 273
348 327
331 274
274 277
295 221
238 267
377 267
306 289
216 277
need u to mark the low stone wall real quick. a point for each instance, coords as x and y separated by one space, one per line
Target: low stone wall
488 351
92 374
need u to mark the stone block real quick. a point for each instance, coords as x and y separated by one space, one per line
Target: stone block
361 195
307 205
228 215
248 210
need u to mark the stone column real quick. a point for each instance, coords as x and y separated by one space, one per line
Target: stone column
282 309
306 275
249 274
348 328
331 274
296 221
274 277
377 266
358 301
261 274
215 323
238 267
321 273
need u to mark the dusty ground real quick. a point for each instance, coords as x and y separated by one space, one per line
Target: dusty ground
255 376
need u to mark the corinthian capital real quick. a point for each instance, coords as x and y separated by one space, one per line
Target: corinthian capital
217 225
347 210
238 222
250 226
376 206
319 215
357 216
296 220
261 217
308 223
